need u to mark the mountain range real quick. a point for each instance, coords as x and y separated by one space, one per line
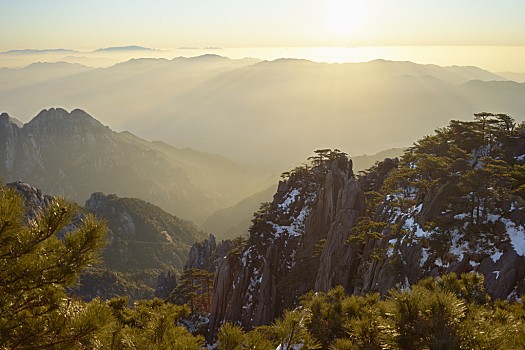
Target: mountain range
358 106
74 155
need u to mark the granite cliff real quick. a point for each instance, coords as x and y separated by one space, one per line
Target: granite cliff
281 257
453 203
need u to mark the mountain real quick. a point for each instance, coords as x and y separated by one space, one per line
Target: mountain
142 236
74 155
124 48
360 107
453 203
279 261
33 51
37 73
143 243
515 76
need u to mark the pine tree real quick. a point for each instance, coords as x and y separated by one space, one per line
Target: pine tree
195 287
38 260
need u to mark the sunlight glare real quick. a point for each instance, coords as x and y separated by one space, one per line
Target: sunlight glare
344 18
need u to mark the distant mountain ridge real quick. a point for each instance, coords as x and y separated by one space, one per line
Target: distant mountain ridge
125 48
361 107
74 155
35 51
236 220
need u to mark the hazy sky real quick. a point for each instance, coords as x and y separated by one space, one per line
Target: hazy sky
92 24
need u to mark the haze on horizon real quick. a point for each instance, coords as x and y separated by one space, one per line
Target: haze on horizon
469 32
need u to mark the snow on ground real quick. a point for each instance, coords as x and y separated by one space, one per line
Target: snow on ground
520 158
515 233
457 248
495 257
413 226
296 228
424 257
289 199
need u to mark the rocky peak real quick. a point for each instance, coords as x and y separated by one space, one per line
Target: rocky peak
34 199
166 282
98 201
7 120
317 233
9 133
207 254
57 121
200 253
257 280
72 154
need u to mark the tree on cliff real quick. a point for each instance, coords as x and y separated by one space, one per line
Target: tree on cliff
195 287
39 258
476 167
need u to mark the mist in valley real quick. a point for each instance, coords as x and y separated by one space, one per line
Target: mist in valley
266 114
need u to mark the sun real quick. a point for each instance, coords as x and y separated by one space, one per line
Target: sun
344 19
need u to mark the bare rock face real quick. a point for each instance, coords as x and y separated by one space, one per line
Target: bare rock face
200 252
166 282
207 254
281 259
347 207
10 130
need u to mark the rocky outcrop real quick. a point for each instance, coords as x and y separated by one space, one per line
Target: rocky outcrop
278 263
141 235
347 207
10 131
310 237
34 199
206 255
405 258
166 282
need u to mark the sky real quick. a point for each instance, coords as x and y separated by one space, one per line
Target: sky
85 25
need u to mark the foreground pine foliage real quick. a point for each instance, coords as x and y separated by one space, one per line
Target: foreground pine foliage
39 258
448 312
